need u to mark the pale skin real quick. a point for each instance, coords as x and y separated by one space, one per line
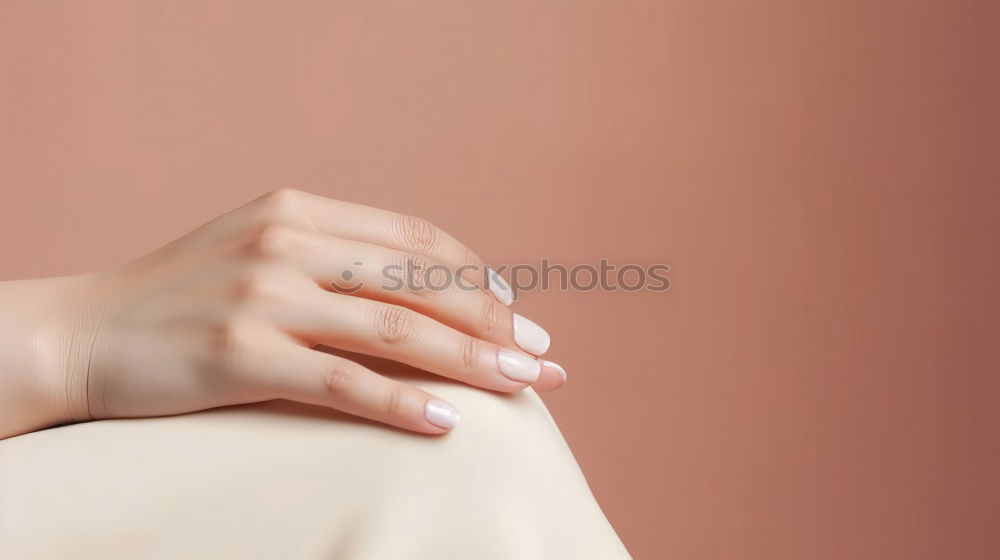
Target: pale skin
235 312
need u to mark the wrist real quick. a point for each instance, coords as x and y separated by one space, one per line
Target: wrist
44 353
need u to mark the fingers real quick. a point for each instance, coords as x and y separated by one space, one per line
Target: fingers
322 379
402 278
388 229
350 252
403 335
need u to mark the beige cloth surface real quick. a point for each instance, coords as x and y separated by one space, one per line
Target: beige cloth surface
283 480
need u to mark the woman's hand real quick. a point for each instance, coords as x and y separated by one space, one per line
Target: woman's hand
233 312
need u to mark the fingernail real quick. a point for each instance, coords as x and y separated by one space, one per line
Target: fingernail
556 367
518 366
441 414
499 287
529 336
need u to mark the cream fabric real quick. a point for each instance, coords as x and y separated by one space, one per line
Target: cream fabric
283 480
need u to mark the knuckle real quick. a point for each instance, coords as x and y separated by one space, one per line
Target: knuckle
283 195
416 233
395 402
258 283
423 278
438 282
393 324
272 239
470 352
281 201
490 314
338 381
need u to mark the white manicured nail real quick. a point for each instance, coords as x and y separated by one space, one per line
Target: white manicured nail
499 287
518 366
529 336
556 367
441 414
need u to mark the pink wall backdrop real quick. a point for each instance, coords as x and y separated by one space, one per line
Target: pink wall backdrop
821 381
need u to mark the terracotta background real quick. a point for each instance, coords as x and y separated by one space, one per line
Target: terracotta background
821 379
